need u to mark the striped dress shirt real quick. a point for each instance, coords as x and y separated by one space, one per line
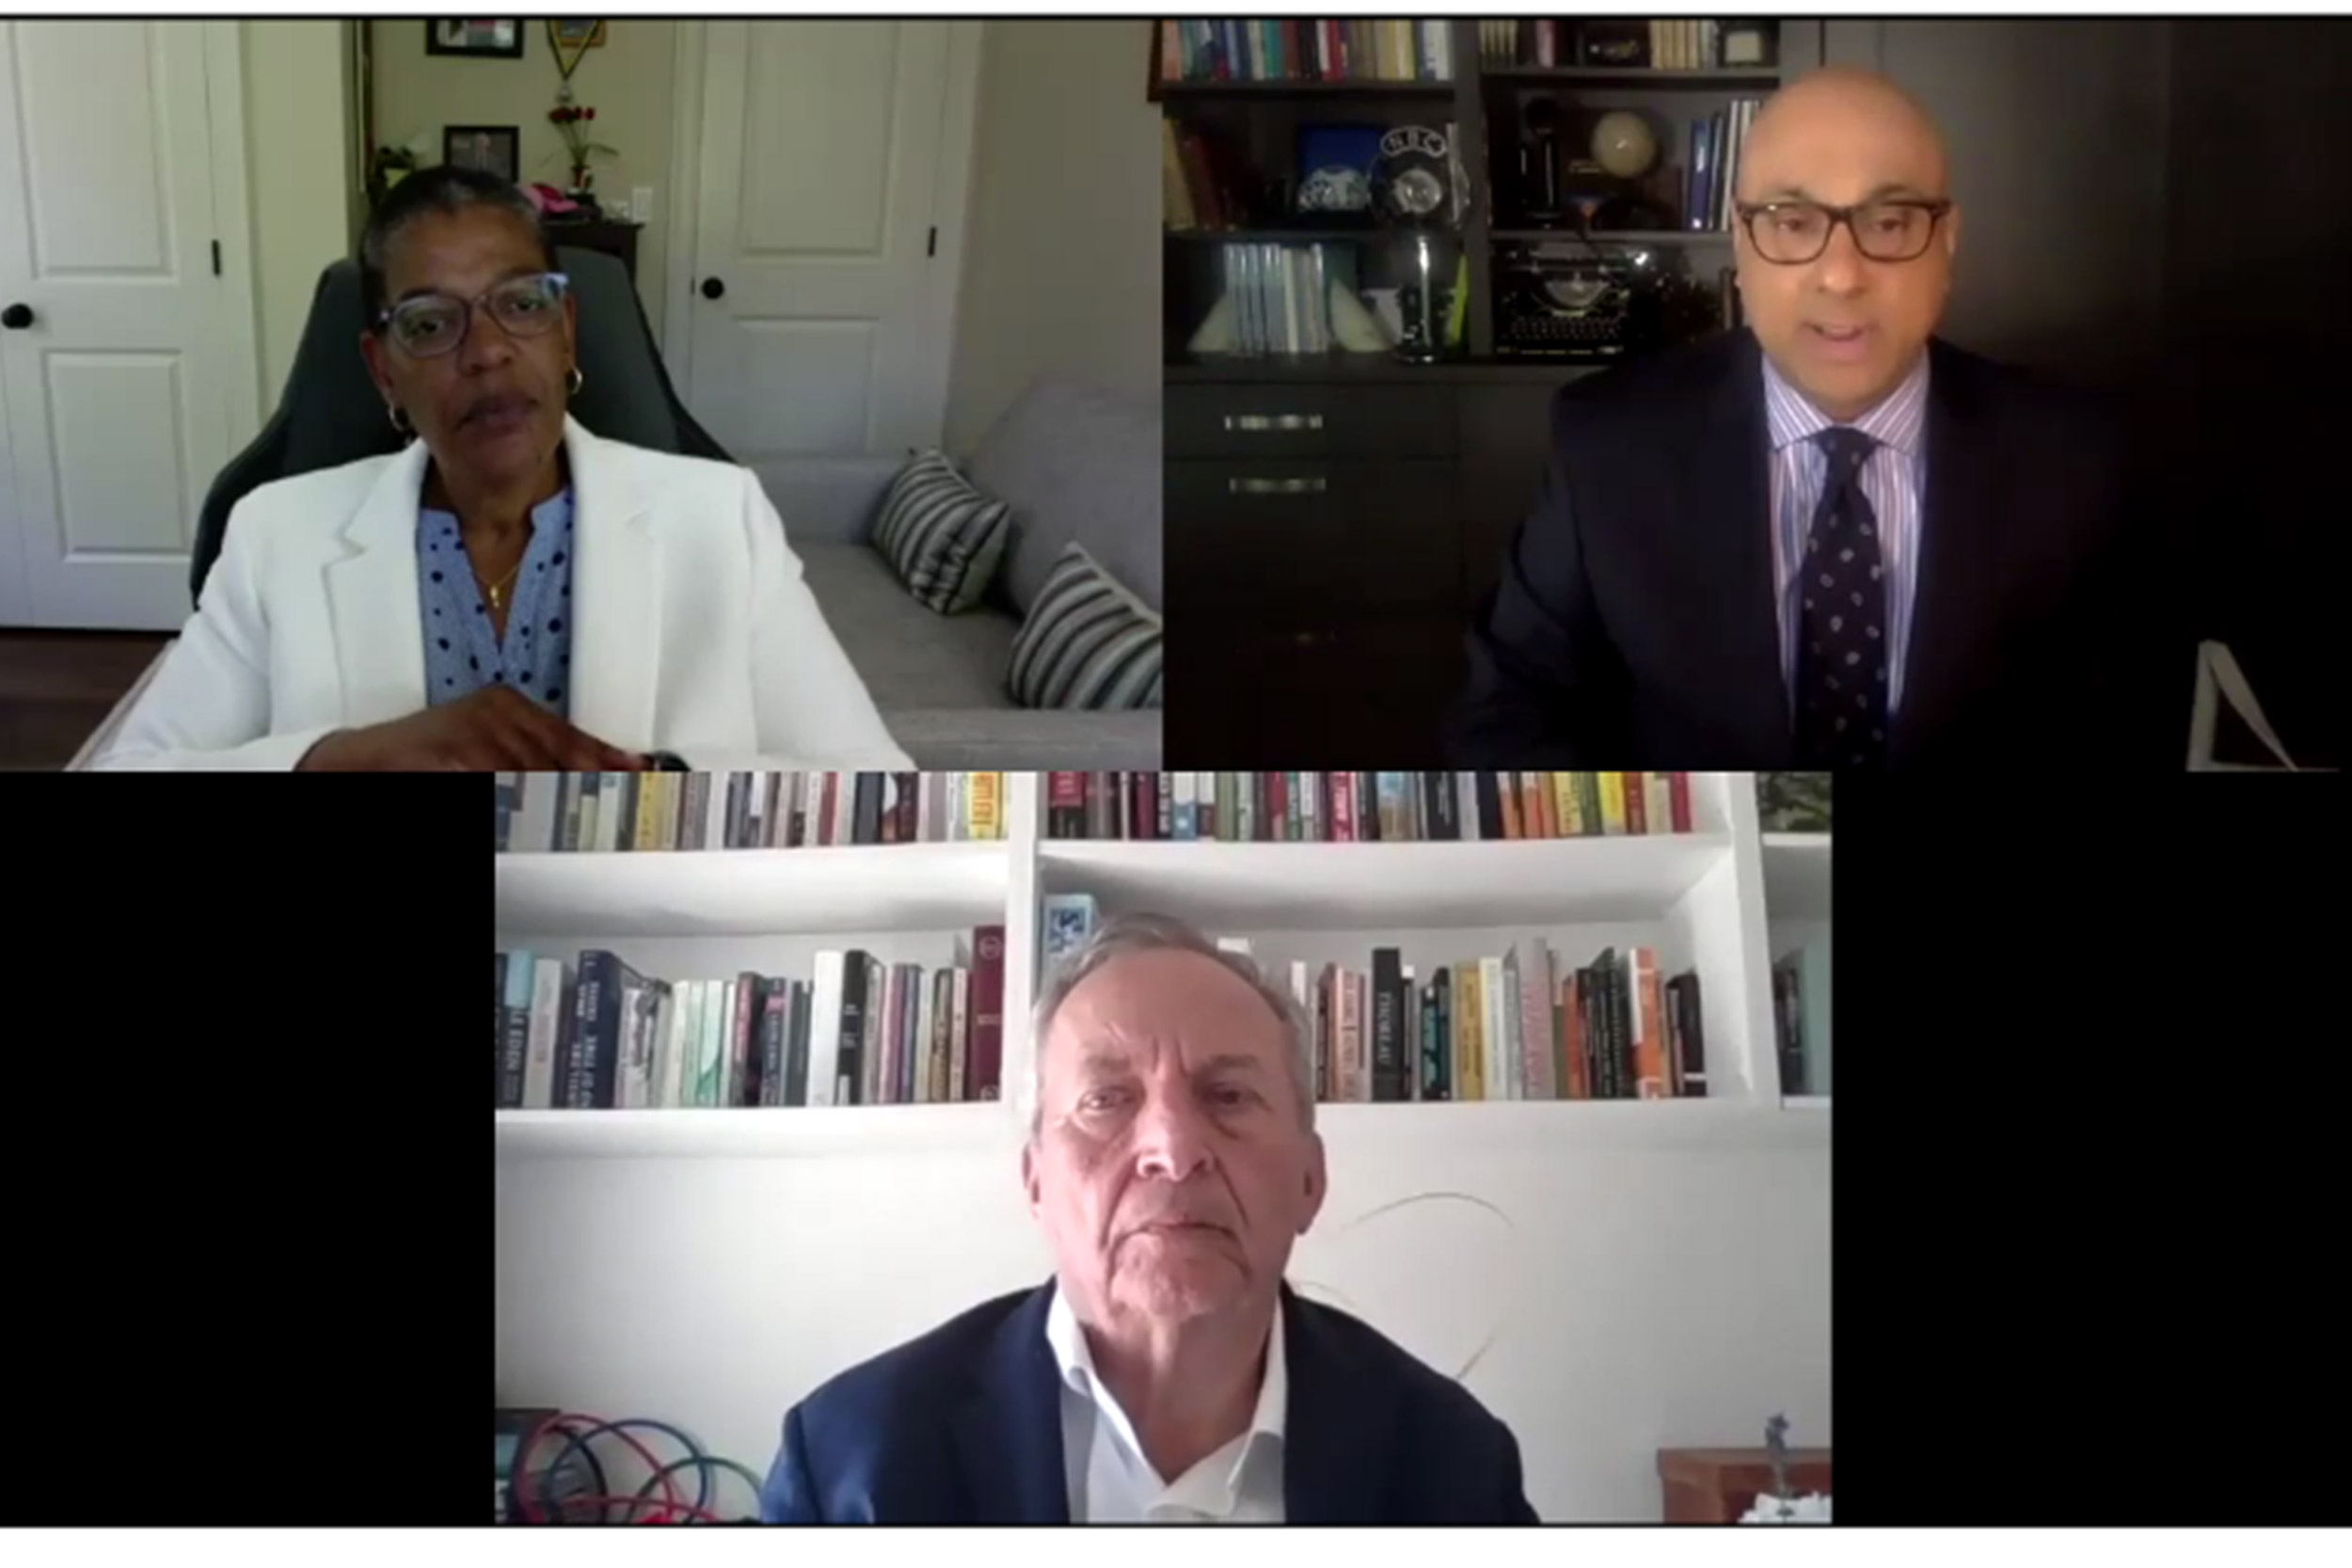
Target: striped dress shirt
1894 480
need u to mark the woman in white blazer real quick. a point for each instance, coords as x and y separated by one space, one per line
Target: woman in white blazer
510 591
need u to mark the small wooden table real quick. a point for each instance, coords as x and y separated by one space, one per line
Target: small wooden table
1715 1486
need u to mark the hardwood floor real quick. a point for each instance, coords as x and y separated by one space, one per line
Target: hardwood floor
57 687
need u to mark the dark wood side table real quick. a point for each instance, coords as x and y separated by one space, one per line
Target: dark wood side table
610 236
1715 1486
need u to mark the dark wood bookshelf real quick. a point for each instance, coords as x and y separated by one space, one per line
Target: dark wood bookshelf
1304 87
1730 76
1620 236
1481 100
1333 520
1361 369
1275 231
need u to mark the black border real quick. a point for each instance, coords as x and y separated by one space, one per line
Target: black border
2088 1147
252 1235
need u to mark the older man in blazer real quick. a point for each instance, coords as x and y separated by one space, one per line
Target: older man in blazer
1830 539
1166 1374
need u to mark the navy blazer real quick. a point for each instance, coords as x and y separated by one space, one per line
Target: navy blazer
963 1426
1633 622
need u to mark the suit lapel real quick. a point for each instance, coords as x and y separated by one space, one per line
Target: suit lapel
617 593
1009 1436
1726 502
1953 616
371 598
1338 1431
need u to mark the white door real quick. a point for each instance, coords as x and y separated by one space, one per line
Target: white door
827 223
125 388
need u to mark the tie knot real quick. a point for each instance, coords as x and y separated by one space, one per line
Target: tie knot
1846 447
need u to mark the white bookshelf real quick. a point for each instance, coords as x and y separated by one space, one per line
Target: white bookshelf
712 1266
1722 900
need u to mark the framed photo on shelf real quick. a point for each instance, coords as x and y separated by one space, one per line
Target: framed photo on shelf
498 41
492 149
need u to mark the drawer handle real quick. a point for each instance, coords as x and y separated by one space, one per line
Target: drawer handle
1314 486
1256 422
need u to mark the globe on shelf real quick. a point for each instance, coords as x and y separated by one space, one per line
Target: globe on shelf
1623 144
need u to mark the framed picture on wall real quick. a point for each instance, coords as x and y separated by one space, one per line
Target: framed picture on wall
492 149
502 40
577 35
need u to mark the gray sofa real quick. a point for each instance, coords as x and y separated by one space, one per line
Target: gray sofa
1075 462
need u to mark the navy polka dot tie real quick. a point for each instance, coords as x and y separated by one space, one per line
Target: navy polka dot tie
1841 619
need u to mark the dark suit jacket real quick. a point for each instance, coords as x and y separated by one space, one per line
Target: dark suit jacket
1634 623
963 1426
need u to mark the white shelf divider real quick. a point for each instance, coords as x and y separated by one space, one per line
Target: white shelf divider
766 892
1023 807
1493 1126
767 1133
1361 886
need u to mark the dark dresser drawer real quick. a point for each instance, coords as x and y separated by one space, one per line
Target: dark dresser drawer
1307 419
1293 545
1374 695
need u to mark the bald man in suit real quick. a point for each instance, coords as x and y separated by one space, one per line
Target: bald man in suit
1828 538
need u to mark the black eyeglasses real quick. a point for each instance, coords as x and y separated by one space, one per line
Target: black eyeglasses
430 325
1795 232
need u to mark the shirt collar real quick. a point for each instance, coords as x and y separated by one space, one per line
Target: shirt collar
555 509
1897 421
1071 1353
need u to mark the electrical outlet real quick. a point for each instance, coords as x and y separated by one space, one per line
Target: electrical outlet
640 203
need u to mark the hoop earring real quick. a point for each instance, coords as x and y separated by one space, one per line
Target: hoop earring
393 412
572 383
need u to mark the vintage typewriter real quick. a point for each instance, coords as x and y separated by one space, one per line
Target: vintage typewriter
1568 300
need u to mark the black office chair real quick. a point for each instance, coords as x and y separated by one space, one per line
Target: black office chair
330 414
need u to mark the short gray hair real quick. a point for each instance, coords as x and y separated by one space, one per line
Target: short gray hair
447 190
1149 933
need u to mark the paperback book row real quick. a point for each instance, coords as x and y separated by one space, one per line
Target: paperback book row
1514 1025
595 1033
1801 1018
1291 50
562 812
1339 808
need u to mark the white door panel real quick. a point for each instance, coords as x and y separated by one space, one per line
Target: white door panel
118 395
825 152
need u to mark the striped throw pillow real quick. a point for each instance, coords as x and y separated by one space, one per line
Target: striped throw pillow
942 537
1087 642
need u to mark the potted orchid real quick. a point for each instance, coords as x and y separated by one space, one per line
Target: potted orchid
571 122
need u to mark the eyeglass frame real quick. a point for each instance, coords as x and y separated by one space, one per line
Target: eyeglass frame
1937 208
562 282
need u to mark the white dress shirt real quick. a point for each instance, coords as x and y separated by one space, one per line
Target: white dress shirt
1110 1480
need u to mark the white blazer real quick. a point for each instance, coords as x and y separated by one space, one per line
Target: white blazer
693 630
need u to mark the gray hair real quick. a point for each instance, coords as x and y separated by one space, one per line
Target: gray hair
448 190
1149 933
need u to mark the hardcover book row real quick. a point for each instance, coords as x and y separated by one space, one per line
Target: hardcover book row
595 1034
566 812
1344 808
